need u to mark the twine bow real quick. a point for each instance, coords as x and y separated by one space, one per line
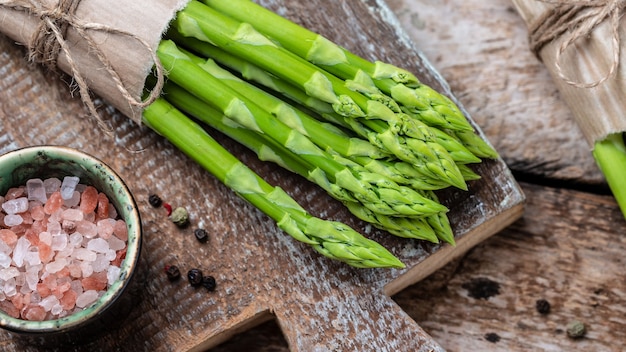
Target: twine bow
576 20
49 40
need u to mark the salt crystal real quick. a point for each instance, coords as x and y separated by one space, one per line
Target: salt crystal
75 270
8 237
101 263
113 273
74 215
37 213
56 266
32 256
112 212
5 260
20 251
13 220
76 239
15 206
35 313
105 228
59 242
15 192
10 288
76 286
84 254
98 245
51 185
120 230
110 255
53 204
5 249
89 200
87 229
48 302
68 186
56 309
54 227
8 273
73 201
45 237
86 298
87 268
68 226
32 277
35 297
36 190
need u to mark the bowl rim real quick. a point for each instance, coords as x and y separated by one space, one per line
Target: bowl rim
133 245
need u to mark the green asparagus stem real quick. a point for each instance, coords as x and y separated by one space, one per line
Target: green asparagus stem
332 239
375 191
405 137
610 155
416 228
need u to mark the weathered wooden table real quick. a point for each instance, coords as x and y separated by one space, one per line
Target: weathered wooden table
566 248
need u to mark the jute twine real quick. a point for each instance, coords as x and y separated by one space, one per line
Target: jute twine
574 20
49 41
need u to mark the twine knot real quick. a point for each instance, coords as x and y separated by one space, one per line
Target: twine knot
574 20
49 41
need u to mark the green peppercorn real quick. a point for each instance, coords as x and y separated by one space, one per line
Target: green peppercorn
155 200
576 329
195 277
209 283
180 217
201 235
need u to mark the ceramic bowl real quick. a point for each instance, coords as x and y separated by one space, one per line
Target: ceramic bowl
16 167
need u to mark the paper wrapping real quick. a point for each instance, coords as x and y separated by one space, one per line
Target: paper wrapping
600 110
147 19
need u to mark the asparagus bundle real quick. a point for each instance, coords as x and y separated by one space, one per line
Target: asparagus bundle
380 143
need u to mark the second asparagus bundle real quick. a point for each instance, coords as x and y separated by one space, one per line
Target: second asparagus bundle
370 134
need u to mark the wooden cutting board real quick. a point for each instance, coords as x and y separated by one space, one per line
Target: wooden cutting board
261 272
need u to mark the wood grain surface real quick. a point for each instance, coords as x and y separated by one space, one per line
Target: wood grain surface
261 273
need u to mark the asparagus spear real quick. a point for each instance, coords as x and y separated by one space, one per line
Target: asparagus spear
610 155
330 238
373 191
405 137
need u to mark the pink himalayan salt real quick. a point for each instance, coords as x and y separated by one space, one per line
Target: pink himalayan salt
37 213
34 312
54 203
45 252
64 286
68 301
15 192
103 206
105 228
10 309
89 200
9 237
86 298
120 230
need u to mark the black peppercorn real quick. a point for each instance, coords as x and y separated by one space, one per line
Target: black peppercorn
201 235
195 277
542 306
155 200
173 273
209 283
